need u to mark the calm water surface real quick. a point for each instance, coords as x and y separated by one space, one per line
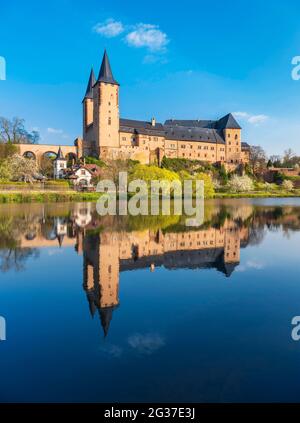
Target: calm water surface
146 309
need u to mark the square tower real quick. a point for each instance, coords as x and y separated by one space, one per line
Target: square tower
106 112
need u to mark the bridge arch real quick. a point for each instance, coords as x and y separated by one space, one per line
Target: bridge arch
29 155
71 158
50 155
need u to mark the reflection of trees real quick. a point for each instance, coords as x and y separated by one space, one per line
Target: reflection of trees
43 221
256 235
12 256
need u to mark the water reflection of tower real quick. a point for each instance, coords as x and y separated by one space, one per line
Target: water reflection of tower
101 275
231 247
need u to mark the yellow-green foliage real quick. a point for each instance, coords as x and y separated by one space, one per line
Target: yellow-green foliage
152 173
209 190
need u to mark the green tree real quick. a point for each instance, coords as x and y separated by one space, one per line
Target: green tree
5 171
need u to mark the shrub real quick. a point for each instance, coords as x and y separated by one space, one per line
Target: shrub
93 160
152 173
240 183
5 172
223 175
288 185
209 190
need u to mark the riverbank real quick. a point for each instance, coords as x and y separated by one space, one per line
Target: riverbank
46 196
258 194
72 196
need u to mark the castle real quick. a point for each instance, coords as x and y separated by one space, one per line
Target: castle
107 136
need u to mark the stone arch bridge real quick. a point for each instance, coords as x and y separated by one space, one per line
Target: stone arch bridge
37 151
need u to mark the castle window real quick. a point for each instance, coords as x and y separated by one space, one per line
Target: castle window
199 147
228 135
212 148
236 137
109 120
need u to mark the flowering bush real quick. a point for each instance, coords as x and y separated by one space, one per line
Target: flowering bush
240 183
288 185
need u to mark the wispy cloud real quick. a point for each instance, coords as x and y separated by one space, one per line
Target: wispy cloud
253 119
55 131
58 132
110 28
147 343
112 350
149 36
251 264
140 35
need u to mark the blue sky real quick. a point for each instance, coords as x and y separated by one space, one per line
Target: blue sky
192 59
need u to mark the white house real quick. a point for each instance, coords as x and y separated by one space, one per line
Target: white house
60 165
83 176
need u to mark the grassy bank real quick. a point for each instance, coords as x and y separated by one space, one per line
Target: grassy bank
46 197
258 194
69 196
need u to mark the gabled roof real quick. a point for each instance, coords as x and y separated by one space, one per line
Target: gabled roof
226 122
91 83
141 124
175 130
191 123
105 74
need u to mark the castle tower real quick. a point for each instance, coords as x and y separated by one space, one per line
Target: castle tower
106 112
88 103
88 117
60 164
232 135
101 275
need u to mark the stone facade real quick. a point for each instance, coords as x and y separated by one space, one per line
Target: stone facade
107 136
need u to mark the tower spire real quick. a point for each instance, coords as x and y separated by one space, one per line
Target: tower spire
91 83
105 74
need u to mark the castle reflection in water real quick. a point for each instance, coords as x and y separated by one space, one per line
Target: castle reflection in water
112 245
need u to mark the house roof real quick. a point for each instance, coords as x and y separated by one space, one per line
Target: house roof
105 74
191 130
226 122
245 146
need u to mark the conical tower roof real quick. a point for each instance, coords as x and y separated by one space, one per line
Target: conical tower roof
105 74
91 83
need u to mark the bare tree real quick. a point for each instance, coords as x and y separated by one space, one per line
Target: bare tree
13 131
257 159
